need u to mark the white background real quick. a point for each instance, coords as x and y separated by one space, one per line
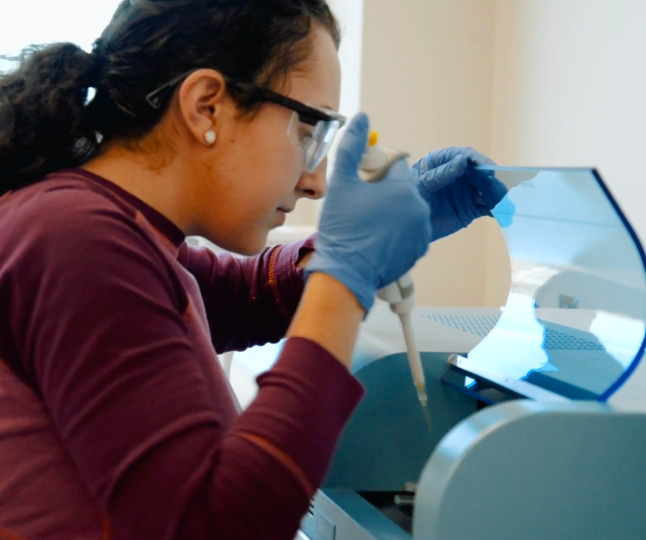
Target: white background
37 22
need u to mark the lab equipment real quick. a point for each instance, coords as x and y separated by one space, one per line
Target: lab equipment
374 160
369 234
456 190
374 166
377 162
399 296
539 408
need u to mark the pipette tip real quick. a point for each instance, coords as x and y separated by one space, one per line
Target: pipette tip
423 399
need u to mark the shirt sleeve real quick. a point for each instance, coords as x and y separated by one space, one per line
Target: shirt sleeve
101 334
248 301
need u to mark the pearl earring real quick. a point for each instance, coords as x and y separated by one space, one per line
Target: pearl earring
210 137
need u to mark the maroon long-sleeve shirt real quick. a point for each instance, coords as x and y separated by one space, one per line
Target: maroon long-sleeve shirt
116 420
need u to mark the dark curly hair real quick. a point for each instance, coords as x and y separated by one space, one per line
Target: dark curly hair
46 123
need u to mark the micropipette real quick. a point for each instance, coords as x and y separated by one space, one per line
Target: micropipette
375 165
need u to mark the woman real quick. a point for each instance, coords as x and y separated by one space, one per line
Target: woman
210 118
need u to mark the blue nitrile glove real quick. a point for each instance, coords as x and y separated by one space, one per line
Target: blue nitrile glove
369 234
455 192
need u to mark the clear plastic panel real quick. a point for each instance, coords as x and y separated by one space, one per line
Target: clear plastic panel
575 320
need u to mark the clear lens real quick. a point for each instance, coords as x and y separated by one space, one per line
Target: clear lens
315 141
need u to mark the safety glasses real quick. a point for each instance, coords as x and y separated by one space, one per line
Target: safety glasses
311 128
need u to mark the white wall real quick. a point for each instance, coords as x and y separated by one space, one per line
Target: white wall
350 16
570 89
428 68
37 21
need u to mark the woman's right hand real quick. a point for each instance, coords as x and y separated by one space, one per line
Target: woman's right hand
369 234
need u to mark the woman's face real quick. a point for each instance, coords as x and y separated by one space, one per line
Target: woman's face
244 184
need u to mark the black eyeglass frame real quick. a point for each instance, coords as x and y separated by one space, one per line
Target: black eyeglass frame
308 114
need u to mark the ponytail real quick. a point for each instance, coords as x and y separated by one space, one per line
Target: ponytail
43 123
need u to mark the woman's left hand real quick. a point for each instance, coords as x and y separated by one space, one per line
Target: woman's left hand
456 193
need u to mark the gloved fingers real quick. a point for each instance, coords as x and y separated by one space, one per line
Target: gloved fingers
441 176
436 158
477 158
352 148
441 157
490 189
479 201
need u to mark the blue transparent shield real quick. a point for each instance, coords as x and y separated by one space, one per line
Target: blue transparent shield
575 319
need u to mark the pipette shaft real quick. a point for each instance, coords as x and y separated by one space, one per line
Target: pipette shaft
415 363
400 297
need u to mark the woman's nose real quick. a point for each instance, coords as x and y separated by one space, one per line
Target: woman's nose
313 185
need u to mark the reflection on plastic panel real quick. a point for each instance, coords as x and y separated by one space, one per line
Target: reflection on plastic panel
576 314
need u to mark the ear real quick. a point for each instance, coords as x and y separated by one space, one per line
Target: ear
200 101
